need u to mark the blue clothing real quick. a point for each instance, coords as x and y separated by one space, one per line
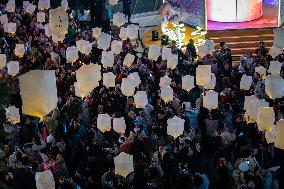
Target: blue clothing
192 117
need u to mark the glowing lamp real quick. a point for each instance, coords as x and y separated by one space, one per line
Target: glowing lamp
72 54
109 79
123 164
43 4
39 92
206 48
113 2
96 32
20 50
10 6
154 52
261 71
136 78
86 48
275 67
80 92
175 126
172 61
64 4
127 86
279 140
58 21
275 51
246 82
210 100
11 27
203 75
128 60
30 8
274 86
187 82
104 41
118 19
3 60
140 99
165 81
57 38
270 136
40 17
104 122
123 33
47 30
132 31
116 47
119 125
44 180
107 59
167 94
13 68
265 118
13 115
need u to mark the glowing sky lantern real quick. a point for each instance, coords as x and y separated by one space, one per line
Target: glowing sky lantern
113 2
123 164
104 122
119 125
4 19
128 60
270 136
279 139
11 27
13 68
107 59
246 82
116 47
136 78
118 19
274 86
265 118
72 54
203 75
187 82
39 92
10 6
30 8
109 79
175 126
20 50
88 77
275 67
167 94
212 83
64 4
80 92
210 100
275 51
57 38
165 81
154 52
132 31
86 47
47 30
104 41
206 48
58 21
252 106
140 99
261 71
13 115
172 61
166 52
123 33
40 17
44 180
96 32
43 4
3 60
127 86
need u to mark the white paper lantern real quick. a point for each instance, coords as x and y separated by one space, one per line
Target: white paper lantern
13 115
127 86
64 4
118 19
104 41
109 79
80 92
203 75
172 61
279 139
275 67
4 19
113 2
270 136
212 83
132 31
3 60
44 180
261 71
274 86
135 77
165 81
123 33
210 100
10 6
123 164
246 82
140 99
11 27
154 52
247 101
119 125
206 48
43 4
104 122
40 17
58 21
166 52
39 92
107 59
13 68
265 118
167 94
57 38
275 51
86 48
30 8
116 47
72 54
252 108
278 38
97 32
175 126
20 50
47 30
187 82
128 60
88 77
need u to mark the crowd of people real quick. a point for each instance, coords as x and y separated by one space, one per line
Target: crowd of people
69 144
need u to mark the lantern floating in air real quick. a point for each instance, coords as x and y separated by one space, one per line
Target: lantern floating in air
128 60
172 61
206 48
127 86
252 108
279 139
246 82
109 79
20 50
116 47
80 92
39 92
10 6
261 71
96 32
13 68
165 81
140 99
123 33
203 75
275 51
167 94
166 52
154 52
265 118
58 21
43 4
64 4
13 115
72 54
107 59
136 78
175 126
30 8
119 125
274 86
104 122
47 30
113 2
86 47
132 31
275 67
44 180
104 41
118 19
57 38
3 60
40 17
187 82
11 27
123 164
270 136
4 19
210 100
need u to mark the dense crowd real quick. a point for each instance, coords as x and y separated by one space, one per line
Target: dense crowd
79 155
